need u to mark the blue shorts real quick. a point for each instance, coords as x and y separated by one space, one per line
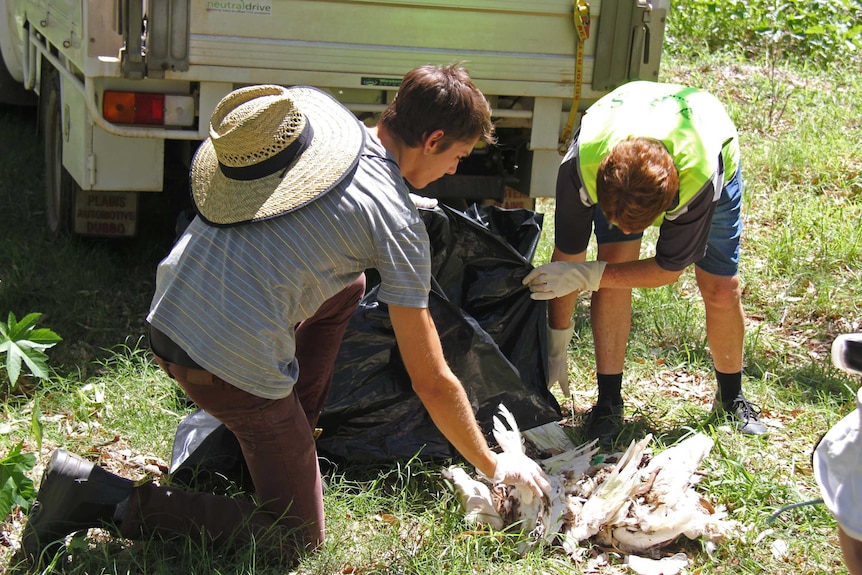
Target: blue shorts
725 233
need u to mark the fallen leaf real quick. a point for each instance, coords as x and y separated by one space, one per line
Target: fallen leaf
763 535
387 518
779 548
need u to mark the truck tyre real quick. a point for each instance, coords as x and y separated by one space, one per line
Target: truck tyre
60 188
12 92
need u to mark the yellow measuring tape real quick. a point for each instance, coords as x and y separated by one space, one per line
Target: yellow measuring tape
582 26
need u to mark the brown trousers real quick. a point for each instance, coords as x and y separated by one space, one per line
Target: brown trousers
276 437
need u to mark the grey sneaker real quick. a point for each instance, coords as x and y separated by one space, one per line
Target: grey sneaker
604 422
74 495
745 414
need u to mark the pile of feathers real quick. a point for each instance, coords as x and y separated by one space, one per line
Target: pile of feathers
632 502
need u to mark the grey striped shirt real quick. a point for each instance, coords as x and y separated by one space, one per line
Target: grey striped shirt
230 297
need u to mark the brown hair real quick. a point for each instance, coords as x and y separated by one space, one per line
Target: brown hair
636 182
438 98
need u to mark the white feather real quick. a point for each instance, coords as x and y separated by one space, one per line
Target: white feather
508 435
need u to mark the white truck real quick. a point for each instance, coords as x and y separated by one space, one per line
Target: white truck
126 87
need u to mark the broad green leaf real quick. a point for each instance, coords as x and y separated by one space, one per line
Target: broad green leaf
22 343
13 364
15 487
17 328
37 362
44 336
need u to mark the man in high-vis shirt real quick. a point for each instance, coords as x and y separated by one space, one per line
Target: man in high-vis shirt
648 154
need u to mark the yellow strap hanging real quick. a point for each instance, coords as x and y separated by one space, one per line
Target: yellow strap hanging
582 25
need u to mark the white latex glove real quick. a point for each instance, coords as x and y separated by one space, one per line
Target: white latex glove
518 469
558 355
423 201
557 279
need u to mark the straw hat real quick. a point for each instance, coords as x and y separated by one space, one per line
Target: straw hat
272 150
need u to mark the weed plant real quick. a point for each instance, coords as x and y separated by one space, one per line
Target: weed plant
807 33
802 151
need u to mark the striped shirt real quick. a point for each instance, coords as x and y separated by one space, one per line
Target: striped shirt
231 297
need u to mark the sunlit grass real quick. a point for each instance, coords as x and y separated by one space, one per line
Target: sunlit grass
802 276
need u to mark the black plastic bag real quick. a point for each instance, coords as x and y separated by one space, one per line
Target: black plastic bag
493 336
205 452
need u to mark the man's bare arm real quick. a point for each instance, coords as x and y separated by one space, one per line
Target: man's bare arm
437 387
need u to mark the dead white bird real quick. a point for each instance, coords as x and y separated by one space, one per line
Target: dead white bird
550 438
631 501
605 504
476 499
669 507
518 502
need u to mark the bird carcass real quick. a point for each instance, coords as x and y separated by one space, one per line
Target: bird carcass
632 501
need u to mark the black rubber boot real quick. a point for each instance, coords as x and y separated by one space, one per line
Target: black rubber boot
74 495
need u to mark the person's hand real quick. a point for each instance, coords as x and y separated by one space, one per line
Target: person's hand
518 469
557 279
423 202
558 357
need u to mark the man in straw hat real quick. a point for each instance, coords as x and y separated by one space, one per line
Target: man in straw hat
296 199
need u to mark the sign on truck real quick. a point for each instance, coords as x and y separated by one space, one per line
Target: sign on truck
126 87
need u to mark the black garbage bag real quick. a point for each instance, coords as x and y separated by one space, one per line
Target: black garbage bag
493 336
206 453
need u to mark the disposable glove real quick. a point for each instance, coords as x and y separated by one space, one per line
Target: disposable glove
518 469
558 354
557 279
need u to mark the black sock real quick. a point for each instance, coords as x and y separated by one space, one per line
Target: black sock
610 389
729 385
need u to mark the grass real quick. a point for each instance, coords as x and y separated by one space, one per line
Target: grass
802 153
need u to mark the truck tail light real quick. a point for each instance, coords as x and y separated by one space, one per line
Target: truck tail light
147 109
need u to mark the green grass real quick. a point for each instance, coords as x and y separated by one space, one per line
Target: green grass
802 151
96 291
